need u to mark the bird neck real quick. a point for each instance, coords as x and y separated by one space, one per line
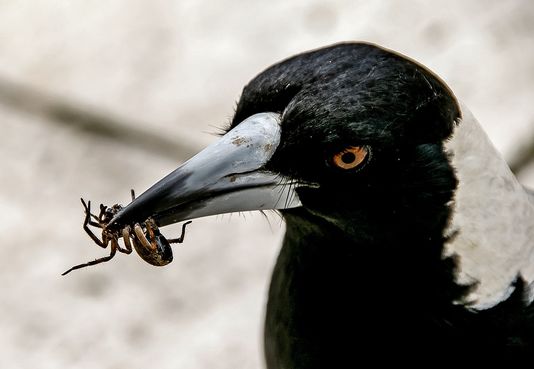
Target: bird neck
493 217
410 265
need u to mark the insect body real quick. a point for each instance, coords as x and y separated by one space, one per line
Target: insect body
153 247
145 237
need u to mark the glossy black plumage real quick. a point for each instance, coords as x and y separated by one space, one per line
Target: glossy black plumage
362 265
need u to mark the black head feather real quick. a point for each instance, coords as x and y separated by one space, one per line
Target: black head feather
362 89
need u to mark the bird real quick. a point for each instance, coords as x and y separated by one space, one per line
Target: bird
407 235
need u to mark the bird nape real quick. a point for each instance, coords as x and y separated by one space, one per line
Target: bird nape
406 231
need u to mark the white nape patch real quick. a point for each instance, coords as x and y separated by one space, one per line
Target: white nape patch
492 214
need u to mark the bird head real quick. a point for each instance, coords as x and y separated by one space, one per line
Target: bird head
344 132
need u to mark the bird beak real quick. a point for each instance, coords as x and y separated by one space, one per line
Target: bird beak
225 177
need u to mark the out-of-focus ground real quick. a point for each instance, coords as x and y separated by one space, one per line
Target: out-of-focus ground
98 98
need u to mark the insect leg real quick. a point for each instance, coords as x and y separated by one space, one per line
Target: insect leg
149 224
87 221
103 209
136 244
126 239
97 261
141 237
181 238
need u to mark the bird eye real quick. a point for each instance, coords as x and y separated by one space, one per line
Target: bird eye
350 157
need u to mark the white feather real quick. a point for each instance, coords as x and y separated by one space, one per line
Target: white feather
492 214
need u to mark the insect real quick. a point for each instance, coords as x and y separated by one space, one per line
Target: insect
145 237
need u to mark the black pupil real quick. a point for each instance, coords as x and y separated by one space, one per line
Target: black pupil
348 158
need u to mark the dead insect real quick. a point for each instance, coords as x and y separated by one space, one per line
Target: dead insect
145 237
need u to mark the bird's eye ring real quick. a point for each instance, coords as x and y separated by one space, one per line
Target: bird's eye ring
351 157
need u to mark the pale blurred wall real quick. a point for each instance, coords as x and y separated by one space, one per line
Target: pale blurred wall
170 72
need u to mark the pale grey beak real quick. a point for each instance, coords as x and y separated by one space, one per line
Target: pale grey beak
227 176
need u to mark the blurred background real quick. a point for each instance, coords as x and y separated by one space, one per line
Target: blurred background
98 98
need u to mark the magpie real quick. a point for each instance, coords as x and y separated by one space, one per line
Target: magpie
407 237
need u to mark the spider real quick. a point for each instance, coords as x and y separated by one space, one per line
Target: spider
146 238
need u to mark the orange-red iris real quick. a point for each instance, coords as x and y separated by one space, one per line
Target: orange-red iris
351 157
